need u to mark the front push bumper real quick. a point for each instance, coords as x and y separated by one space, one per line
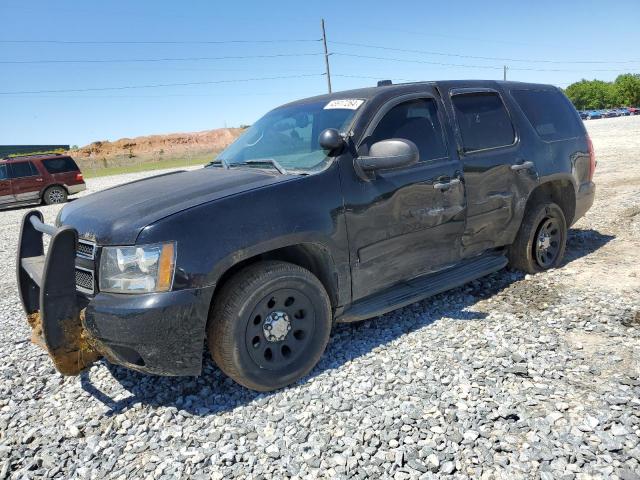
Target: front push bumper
159 333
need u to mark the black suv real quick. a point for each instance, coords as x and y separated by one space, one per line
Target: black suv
334 208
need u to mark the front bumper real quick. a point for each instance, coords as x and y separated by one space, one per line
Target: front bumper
159 333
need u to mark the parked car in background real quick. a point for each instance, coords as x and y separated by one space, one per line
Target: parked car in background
623 112
594 114
584 115
609 113
39 178
634 111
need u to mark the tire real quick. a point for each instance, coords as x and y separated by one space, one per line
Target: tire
55 194
541 240
270 325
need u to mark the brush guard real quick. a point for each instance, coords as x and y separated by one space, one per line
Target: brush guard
47 287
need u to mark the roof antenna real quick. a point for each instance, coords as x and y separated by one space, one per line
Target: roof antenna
384 83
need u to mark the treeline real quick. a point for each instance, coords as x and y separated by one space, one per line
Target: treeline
596 94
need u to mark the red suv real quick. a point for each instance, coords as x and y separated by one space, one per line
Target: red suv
39 178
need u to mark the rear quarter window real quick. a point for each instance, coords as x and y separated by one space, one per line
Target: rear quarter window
60 165
549 112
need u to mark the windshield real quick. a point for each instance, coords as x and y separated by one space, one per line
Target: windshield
288 136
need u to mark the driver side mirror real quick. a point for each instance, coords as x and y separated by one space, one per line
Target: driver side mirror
331 140
389 154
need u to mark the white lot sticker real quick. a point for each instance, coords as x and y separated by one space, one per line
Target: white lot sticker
346 103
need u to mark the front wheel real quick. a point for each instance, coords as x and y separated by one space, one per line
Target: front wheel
541 240
270 324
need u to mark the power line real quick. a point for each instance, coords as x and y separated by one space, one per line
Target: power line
492 67
379 77
158 85
371 57
159 42
502 59
146 60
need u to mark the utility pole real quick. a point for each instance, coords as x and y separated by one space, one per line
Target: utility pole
504 76
326 55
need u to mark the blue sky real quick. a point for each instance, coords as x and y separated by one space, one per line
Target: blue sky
549 31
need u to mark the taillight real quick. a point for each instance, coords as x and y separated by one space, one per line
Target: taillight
79 177
592 158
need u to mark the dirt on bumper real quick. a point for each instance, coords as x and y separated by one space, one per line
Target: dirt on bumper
79 351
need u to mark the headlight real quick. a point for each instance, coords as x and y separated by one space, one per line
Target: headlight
138 269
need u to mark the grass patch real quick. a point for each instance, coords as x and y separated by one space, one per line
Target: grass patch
90 172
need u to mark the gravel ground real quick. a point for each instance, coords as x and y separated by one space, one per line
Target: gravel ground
510 377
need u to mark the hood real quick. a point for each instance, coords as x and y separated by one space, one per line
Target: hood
116 216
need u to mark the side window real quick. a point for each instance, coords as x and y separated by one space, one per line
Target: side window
549 112
60 165
22 169
483 121
415 120
3 172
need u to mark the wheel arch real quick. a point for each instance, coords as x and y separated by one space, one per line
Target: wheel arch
312 256
560 191
47 187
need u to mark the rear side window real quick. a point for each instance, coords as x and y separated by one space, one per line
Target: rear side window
415 120
23 169
60 165
549 113
483 121
3 172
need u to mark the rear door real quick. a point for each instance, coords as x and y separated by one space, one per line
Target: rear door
406 222
497 175
26 181
6 196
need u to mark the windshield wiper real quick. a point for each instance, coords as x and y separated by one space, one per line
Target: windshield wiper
264 161
216 162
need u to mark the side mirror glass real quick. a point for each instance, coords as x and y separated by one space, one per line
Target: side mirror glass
389 154
331 140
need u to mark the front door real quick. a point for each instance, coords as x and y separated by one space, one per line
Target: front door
496 177
406 222
26 181
5 186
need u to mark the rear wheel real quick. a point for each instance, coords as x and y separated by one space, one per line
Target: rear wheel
55 194
270 324
541 240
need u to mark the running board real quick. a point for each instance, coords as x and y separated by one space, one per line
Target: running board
422 287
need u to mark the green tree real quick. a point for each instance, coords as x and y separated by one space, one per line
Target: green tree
596 94
627 89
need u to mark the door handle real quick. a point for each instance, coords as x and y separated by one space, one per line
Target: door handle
522 166
39 180
445 185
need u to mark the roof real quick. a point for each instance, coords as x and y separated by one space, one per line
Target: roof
399 88
41 156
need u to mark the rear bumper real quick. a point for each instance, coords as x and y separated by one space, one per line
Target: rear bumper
584 199
73 189
159 333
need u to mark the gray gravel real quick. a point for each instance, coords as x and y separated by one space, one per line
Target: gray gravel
510 377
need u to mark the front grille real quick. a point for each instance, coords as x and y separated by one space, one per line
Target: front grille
86 249
84 280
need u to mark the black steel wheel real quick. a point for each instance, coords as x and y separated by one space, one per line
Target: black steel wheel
541 240
547 243
280 328
270 324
